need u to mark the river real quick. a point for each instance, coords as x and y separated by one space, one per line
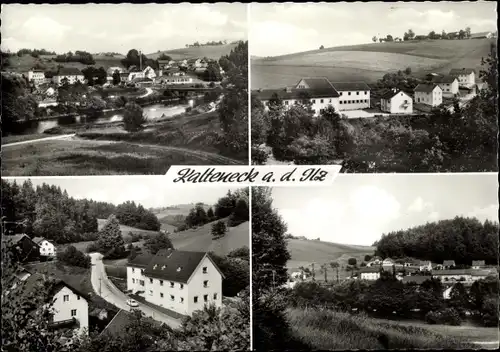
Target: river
152 112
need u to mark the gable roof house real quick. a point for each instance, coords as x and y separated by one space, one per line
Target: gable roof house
428 94
465 76
396 101
68 74
481 35
448 84
353 95
23 248
181 281
478 264
47 248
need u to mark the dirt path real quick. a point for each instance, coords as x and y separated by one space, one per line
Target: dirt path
64 136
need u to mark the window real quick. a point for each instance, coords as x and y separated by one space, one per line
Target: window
182 286
366 92
204 270
349 93
150 292
205 283
133 281
330 101
150 281
205 298
341 102
357 93
141 282
313 101
182 299
340 93
161 294
405 101
215 295
73 312
65 298
172 297
133 270
195 299
172 284
161 282
286 102
321 101
77 298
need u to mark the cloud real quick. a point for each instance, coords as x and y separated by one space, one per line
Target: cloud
373 204
419 205
45 29
489 212
434 216
424 20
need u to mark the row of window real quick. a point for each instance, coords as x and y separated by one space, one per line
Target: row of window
195 298
204 270
172 284
360 101
349 93
66 298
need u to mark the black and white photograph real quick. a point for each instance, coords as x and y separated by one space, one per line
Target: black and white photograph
377 262
124 264
377 87
120 89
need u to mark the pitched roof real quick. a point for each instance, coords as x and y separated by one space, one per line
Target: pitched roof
461 71
140 261
163 62
448 262
452 272
62 283
37 240
117 325
479 34
173 265
369 269
350 86
69 71
388 95
478 262
425 87
443 79
418 279
14 238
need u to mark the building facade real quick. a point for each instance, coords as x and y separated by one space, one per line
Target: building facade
70 304
352 95
36 76
47 249
428 94
396 102
465 76
70 75
181 281
369 273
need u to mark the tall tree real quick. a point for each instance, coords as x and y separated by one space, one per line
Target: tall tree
110 240
155 243
133 117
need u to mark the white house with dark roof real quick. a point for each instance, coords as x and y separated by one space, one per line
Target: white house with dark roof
428 94
36 76
68 74
481 35
369 273
478 264
448 84
396 102
181 281
47 249
352 95
465 76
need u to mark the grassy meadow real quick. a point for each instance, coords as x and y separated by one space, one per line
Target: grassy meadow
209 51
369 62
330 330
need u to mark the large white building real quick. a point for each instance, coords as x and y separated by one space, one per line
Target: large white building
396 102
448 84
465 76
465 276
321 93
68 74
181 281
428 94
47 249
371 273
36 76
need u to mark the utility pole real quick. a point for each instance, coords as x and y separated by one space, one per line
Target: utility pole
313 273
100 286
274 280
140 60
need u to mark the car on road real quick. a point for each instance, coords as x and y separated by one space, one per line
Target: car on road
133 303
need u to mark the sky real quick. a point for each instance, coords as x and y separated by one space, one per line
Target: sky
150 191
119 27
278 29
358 209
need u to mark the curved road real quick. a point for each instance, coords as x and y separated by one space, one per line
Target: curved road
149 91
107 290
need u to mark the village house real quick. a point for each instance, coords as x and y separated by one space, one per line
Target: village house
428 94
478 264
448 84
47 249
71 75
481 35
447 264
369 273
465 276
23 247
425 265
169 80
467 92
352 95
465 76
149 73
36 76
181 281
113 69
396 102
374 262
164 64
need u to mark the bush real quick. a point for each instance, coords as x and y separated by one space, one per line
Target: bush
72 256
133 117
219 229
93 247
447 316
243 253
259 156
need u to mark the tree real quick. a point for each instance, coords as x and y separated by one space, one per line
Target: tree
321 47
210 214
110 241
411 34
242 253
374 39
155 243
461 34
240 213
335 265
368 258
269 247
72 256
408 71
116 77
133 117
352 261
212 73
219 229
389 38
165 57
324 270
467 32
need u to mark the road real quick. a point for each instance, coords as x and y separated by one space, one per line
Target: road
107 290
149 91
64 136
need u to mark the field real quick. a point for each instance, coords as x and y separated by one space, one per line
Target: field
306 252
329 330
187 140
26 62
369 62
209 51
126 229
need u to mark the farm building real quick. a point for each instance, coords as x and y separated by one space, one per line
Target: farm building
481 35
396 102
428 94
465 76
448 84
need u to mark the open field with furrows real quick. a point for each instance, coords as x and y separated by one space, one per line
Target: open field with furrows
26 62
209 51
369 62
306 252
186 140
330 330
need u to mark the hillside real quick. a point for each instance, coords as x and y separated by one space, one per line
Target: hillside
200 239
306 252
369 62
209 51
26 62
174 216
125 229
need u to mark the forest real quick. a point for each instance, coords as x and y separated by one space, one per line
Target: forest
48 211
459 239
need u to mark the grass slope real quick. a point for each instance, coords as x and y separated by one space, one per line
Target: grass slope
26 62
369 62
330 330
126 229
306 252
209 51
